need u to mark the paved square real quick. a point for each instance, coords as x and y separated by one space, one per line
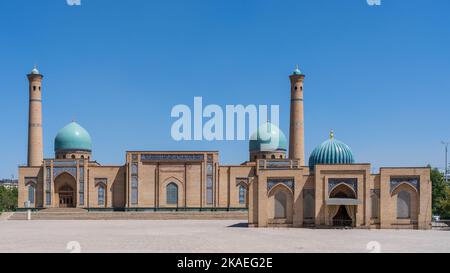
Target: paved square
205 236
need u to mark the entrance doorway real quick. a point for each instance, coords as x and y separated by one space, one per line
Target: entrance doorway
342 219
66 197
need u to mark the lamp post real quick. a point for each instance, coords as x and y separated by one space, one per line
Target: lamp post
445 143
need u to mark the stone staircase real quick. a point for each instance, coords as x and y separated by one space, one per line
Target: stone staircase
80 214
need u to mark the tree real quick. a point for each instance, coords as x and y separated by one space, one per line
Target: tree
444 206
440 195
8 199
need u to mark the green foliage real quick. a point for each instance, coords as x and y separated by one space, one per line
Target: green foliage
441 194
444 206
8 199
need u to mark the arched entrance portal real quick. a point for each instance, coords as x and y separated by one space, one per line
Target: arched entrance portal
342 215
65 191
66 197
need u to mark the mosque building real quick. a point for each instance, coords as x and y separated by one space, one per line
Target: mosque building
275 187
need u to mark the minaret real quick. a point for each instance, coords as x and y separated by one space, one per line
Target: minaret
35 146
296 134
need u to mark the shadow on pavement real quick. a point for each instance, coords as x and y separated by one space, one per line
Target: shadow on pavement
239 225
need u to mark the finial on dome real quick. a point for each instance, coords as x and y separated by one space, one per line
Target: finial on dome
297 70
35 70
332 134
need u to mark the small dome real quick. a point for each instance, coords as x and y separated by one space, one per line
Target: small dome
35 71
268 138
297 71
331 151
73 137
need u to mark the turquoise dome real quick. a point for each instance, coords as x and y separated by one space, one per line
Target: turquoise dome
73 137
297 71
261 141
331 151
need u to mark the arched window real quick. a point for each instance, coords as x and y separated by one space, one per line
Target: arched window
101 195
172 194
242 195
134 169
403 205
134 190
280 205
73 156
31 193
273 156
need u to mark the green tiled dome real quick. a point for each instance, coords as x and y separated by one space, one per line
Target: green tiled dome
331 151
297 71
73 137
262 140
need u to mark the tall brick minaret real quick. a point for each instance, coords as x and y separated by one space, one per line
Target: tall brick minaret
35 146
297 128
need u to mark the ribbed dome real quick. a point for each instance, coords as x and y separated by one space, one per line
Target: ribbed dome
331 151
73 137
262 140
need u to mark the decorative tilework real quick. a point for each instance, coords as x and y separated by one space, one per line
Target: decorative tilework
59 170
351 182
413 181
271 183
242 180
172 157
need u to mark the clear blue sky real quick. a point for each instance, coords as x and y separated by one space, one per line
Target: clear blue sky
378 76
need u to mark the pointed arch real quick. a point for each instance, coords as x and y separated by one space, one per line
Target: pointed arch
402 185
65 186
30 182
171 193
31 193
63 173
243 189
280 205
407 201
342 190
274 188
173 179
101 193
